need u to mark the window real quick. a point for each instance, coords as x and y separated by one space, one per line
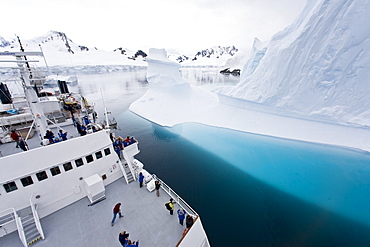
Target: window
55 171
26 181
67 166
107 151
10 187
41 175
98 155
79 162
89 158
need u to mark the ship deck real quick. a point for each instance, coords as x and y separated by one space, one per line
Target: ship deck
145 217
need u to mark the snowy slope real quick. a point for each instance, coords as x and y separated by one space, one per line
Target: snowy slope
59 50
319 66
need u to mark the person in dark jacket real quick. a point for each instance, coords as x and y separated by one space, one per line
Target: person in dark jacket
157 187
189 221
23 145
122 238
141 179
116 210
50 135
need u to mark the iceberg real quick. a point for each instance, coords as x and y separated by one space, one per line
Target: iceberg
309 83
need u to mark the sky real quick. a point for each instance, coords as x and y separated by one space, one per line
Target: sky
182 25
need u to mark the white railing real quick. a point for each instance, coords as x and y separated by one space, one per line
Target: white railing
176 197
36 217
197 236
18 222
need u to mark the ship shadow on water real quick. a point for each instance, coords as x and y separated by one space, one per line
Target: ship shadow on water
239 210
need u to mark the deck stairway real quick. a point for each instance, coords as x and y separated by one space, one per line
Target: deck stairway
30 229
130 177
127 159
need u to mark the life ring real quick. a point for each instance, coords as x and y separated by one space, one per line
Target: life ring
184 232
71 100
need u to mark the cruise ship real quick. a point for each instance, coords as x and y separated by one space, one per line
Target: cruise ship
62 193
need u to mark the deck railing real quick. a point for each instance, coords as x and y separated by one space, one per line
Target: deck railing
176 197
15 217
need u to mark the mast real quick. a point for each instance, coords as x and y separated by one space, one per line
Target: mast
30 81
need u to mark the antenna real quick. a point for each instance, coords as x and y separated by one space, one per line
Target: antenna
105 109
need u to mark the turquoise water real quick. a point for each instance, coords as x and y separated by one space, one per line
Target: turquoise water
250 190
254 190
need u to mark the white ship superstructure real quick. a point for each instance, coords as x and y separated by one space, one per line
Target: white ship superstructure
48 181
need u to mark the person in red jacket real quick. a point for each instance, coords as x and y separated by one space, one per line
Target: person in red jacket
15 138
116 210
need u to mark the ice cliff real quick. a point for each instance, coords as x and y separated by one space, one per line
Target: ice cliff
309 83
319 66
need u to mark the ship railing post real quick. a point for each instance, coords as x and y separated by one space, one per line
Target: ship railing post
18 222
36 217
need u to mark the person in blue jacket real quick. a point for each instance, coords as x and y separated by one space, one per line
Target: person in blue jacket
63 136
181 214
132 244
141 179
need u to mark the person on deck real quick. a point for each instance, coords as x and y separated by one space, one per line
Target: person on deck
157 187
63 136
50 135
181 214
172 206
123 238
83 130
23 145
118 150
132 140
189 221
15 138
141 179
116 210
132 244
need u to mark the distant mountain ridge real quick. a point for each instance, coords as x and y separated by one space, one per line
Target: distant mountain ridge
215 52
56 42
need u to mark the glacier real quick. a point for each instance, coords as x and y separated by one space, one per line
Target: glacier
309 83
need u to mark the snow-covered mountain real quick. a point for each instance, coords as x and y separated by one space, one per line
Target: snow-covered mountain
60 50
214 56
319 66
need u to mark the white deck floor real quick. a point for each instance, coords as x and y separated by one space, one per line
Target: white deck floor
145 218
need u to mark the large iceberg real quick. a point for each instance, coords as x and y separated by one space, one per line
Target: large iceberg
319 66
310 82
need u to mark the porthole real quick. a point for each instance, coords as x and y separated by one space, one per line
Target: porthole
89 158
26 181
79 162
11 186
41 175
98 155
107 151
55 171
67 166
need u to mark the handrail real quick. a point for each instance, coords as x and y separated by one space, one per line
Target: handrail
181 202
36 217
18 222
186 230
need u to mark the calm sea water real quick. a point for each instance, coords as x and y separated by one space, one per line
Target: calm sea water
250 190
